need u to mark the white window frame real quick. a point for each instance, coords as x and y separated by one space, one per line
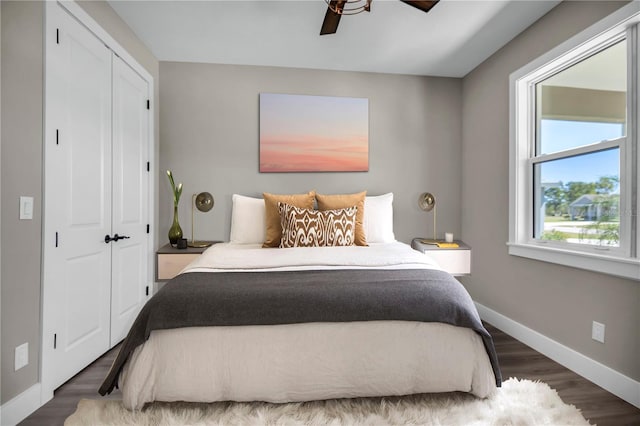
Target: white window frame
621 261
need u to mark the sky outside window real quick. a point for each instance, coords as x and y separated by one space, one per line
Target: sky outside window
558 135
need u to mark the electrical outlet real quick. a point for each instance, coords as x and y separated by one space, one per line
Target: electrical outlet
21 356
597 332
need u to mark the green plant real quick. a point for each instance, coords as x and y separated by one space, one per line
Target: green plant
175 232
177 190
603 232
610 232
554 235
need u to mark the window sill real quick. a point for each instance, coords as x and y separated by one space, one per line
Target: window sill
618 266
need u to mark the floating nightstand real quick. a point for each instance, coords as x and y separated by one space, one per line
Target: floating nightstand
455 260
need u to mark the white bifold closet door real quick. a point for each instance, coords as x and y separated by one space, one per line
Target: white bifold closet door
130 198
96 186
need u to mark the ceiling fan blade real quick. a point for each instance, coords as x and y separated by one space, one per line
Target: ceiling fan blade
331 18
423 5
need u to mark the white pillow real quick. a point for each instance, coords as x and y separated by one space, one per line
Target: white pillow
247 220
378 218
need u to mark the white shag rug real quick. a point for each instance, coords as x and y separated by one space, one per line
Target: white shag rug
517 403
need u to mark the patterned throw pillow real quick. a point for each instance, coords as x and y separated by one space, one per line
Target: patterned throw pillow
313 228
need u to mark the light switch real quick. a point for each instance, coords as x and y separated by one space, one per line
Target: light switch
26 208
21 356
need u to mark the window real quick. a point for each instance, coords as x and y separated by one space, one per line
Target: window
580 123
573 151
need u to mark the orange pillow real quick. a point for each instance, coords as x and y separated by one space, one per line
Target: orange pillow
272 215
342 201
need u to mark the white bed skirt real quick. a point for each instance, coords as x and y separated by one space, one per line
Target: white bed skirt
304 362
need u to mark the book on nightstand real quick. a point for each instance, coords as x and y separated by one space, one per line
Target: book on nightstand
447 245
439 244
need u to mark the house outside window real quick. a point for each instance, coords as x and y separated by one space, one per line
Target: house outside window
574 151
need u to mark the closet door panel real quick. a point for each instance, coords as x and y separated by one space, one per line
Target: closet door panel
77 270
130 197
86 324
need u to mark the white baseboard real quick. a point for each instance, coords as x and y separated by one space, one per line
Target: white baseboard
618 384
17 409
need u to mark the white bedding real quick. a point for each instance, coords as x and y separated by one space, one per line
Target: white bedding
300 362
242 257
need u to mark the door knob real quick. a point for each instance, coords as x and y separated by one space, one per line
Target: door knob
116 237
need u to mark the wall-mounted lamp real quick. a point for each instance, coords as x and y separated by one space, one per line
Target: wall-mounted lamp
427 202
203 202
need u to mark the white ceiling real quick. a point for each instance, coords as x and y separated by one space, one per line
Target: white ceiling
450 40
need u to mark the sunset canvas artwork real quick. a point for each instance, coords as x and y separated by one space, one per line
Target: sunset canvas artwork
300 133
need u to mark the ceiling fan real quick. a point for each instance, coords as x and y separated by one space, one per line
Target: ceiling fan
337 8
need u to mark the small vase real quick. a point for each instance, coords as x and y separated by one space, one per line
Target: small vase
175 232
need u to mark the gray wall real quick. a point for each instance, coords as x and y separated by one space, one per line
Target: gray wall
21 173
210 132
0 187
557 301
22 85
209 139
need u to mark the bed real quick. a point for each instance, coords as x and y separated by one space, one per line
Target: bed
244 323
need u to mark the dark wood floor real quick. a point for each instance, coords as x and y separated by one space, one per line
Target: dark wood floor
597 405
516 360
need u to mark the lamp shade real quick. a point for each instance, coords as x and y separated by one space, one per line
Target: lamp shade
426 201
204 202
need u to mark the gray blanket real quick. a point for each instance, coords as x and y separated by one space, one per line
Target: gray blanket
258 298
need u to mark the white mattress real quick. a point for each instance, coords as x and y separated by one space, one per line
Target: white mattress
301 362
